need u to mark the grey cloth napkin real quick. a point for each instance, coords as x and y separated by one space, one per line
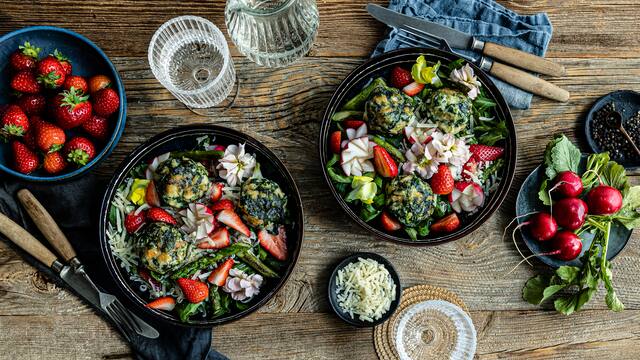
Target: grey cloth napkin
486 20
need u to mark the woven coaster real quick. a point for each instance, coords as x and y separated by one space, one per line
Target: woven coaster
383 337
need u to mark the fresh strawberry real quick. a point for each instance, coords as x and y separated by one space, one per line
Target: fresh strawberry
151 196
24 160
216 192
470 168
400 77
335 142
72 109
352 124
157 214
25 82
486 152
442 182
49 137
14 121
32 104
217 240
133 222
25 58
232 220
29 139
98 82
54 163
413 89
389 223
384 163
97 127
105 102
447 224
166 303
79 151
223 204
77 82
221 273
276 245
50 72
194 291
64 62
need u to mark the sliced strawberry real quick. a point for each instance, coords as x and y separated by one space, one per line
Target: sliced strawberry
413 89
352 124
217 240
194 291
486 152
470 168
400 77
221 273
384 163
224 204
166 303
447 224
232 220
133 222
151 196
216 191
389 223
276 245
157 214
335 141
442 182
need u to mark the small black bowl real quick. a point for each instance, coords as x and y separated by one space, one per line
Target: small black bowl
381 66
333 296
185 138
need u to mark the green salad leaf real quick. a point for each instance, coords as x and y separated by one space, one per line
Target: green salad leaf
491 131
561 155
595 162
423 72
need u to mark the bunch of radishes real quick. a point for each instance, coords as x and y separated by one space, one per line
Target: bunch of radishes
569 212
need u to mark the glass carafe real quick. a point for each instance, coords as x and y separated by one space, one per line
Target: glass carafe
272 33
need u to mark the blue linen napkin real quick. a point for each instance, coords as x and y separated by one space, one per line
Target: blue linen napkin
74 206
486 20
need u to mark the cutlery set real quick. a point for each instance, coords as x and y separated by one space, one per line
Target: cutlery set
418 32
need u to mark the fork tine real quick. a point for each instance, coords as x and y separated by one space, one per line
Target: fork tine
120 324
118 305
411 41
125 319
423 34
419 39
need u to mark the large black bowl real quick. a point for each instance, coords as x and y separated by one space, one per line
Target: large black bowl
184 138
380 66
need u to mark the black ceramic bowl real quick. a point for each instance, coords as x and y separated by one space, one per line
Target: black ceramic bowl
333 296
184 138
381 66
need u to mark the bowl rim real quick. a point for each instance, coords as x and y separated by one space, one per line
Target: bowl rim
134 158
110 145
399 57
353 258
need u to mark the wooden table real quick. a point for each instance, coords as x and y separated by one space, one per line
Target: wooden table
596 40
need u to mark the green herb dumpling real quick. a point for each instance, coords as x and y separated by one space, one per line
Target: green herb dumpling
262 203
410 200
162 247
450 109
182 181
389 111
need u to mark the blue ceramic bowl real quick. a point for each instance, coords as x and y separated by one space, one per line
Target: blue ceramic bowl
87 60
528 202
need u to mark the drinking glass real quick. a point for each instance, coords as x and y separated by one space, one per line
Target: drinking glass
190 57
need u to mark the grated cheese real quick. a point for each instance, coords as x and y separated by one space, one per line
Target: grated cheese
365 288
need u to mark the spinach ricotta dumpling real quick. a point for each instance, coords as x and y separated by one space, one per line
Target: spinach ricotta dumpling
451 110
182 181
162 247
410 200
262 203
389 110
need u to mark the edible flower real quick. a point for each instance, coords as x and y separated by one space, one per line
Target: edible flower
364 189
242 286
236 164
424 74
421 161
138 191
467 78
447 149
197 220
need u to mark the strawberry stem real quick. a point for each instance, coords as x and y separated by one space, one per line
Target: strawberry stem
78 157
30 50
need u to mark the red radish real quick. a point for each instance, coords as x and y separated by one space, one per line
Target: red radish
542 227
570 213
604 200
566 184
566 246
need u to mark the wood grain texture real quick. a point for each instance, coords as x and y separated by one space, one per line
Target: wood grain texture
596 41
523 60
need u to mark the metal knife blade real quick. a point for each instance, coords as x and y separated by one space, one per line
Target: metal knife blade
455 38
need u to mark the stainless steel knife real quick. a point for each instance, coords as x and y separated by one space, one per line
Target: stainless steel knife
459 40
